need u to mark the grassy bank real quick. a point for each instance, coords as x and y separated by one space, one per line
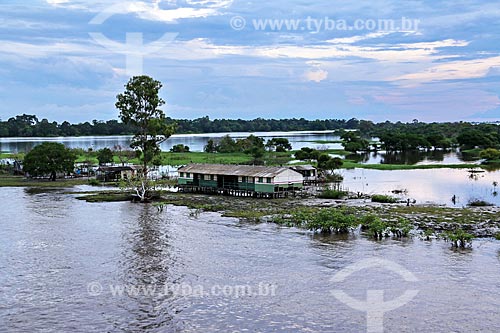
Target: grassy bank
352 165
19 181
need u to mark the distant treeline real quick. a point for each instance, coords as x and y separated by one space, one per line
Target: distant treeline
395 136
30 125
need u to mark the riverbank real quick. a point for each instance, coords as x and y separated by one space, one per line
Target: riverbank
20 181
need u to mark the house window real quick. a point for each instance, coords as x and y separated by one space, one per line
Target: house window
212 177
188 175
261 180
268 180
244 179
181 174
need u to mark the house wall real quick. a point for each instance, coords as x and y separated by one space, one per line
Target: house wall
289 176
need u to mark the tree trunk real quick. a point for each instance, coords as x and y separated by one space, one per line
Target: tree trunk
53 176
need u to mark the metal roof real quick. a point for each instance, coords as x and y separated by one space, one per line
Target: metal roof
117 168
302 167
233 170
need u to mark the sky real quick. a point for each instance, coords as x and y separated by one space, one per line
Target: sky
377 60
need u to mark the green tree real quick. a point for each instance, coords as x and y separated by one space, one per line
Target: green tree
352 141
210 147
471 138
180 148
227 145
490 154
139 107
104 156
279 144
49 158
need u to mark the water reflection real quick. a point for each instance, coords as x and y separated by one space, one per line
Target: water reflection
412 158
196 142
146 260
437 186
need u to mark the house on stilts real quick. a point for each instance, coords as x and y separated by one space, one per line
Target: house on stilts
240 180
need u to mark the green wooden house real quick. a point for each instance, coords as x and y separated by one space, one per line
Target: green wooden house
239 179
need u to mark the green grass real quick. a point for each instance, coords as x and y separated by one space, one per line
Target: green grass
323 141
197 157
348 164
20 181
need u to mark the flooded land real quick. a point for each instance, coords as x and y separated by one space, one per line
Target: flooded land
201 263
55 250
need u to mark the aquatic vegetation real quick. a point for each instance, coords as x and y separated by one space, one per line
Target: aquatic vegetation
401 228
377 228
383 198
332 221
459 238
428 233
326 220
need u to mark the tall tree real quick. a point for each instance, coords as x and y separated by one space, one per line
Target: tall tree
104 156
49 158
139 107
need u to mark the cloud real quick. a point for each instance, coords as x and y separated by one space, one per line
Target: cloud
356 39
316 74
455 70
151 10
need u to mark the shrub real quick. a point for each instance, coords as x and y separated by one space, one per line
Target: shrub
332 194
479 203
332 221
376 227
490 154
327 220
383 198
94 182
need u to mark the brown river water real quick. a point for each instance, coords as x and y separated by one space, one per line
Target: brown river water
63 262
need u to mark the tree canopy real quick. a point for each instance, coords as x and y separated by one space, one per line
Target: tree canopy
47 159
139 107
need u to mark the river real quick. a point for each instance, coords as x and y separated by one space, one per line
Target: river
196 142
61 261
425 186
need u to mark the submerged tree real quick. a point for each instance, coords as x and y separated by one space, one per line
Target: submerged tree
49 158
139 107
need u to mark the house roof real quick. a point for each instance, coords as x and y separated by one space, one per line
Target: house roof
117 168
303 167
233 170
